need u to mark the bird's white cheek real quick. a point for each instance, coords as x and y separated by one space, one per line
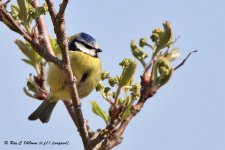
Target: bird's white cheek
85 50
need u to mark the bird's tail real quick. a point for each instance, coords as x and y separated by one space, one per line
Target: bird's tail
43 112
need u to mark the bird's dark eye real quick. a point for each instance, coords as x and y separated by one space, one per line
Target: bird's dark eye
98 50
72 45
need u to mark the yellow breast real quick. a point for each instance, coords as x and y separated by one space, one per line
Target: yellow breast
86 69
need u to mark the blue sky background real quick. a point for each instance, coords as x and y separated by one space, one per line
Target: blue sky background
186 114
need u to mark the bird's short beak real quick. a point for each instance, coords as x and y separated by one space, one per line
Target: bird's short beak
98 50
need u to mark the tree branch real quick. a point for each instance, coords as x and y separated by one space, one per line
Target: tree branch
59 28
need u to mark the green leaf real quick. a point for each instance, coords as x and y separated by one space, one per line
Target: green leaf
162 38
37 57
23 10
31 86
26 13
28 93
126 111
33 57
28 62
173 54
15 12
26 49
129 68
35 13
166 37
100 112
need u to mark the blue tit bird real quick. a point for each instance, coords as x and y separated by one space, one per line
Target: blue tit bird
86 67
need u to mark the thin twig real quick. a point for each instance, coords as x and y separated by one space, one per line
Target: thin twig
59 28
62 8
6 3
182 63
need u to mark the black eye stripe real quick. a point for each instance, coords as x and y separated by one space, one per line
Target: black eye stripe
86 45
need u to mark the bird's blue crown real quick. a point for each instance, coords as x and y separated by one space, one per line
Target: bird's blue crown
86 37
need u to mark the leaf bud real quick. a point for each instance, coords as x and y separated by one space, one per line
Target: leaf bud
113 81
105 75
143 42
100 86
133 44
